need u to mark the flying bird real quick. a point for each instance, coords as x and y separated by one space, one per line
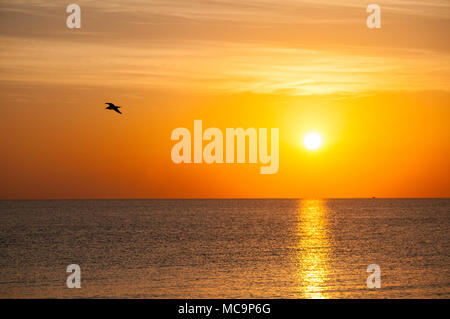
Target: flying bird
113 107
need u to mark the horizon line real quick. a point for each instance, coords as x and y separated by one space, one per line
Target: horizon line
219 198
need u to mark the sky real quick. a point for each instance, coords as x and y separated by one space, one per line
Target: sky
378 97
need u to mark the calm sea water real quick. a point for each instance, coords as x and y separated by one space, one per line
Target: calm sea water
226 248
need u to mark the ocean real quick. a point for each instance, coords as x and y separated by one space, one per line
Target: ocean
231 248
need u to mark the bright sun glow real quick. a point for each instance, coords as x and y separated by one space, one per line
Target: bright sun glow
312 141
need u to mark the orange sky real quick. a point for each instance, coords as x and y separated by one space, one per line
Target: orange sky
379 98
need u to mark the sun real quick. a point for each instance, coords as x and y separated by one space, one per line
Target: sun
312 141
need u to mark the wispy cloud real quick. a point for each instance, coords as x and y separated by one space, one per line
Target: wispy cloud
287 46
236 9
219 66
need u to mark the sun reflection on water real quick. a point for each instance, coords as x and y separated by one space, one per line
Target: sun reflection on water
313 249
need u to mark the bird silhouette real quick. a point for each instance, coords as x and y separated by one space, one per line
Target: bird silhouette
113 107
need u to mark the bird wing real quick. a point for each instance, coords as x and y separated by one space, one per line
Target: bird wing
110 104
117 110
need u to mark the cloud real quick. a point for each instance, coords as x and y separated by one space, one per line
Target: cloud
287 46
219 66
